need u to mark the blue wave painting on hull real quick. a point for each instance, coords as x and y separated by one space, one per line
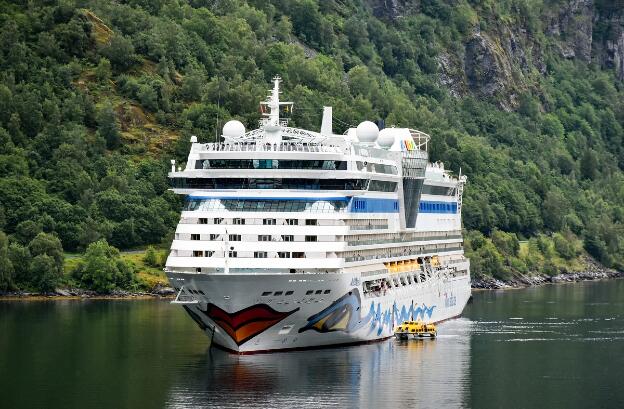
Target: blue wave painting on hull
344 315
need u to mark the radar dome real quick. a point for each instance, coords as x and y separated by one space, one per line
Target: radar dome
367 132
386 138
233 129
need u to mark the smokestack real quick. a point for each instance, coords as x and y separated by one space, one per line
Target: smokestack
326 124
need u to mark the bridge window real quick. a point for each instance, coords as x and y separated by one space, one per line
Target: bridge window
269 222
288 237
195 236
311 238
260 254
264 237
235 237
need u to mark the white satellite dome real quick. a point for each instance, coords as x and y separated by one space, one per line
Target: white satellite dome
233 129
386 138
367 132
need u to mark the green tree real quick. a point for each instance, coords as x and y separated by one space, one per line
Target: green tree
6 266
120 52
151 258
589 164
506 243
43 274
46 268
103 270
103 70
26 231
554 210
107 126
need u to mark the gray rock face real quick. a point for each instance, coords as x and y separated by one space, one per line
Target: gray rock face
487 68
609 48
573 26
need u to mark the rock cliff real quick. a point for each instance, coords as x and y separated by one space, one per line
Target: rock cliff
500 60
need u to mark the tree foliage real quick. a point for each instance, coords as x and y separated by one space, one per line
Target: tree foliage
77 78
103 270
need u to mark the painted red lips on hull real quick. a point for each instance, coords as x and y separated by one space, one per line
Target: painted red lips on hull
245 324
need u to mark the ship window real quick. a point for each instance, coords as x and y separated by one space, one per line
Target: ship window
311 238
238 220
264 237
292 222
235 237
298 254
289 292
216 220
382 186
283 254
311 222
208 253
233 254
266 293
201 292
203 220
309 292
195 237
198 270
318 292
214 237
269 222
198 253
326 291
260 254
278 293
288 237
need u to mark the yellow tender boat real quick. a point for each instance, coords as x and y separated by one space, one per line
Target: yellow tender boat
416 329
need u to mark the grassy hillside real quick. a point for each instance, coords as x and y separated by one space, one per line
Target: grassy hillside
96 97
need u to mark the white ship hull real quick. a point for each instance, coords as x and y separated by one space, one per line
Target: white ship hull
234 312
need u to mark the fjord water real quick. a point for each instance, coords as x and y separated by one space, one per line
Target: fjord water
559 346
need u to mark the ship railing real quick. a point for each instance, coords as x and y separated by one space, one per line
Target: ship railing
400 240
272 147
421 139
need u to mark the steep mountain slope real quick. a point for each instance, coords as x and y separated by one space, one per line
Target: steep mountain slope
525 96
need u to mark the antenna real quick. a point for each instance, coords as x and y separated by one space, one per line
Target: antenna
218 108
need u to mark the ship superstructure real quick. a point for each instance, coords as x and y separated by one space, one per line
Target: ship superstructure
292 239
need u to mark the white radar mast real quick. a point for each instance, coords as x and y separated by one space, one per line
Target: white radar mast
271 123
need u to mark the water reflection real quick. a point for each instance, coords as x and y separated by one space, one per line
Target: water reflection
388 374
555 347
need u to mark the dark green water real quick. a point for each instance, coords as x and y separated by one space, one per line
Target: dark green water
550 347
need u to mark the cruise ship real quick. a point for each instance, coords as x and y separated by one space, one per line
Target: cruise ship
292 239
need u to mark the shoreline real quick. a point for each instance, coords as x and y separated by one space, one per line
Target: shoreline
167 293
594 272
62 294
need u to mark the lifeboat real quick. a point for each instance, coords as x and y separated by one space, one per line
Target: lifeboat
415 329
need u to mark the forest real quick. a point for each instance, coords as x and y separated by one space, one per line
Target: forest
97 96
